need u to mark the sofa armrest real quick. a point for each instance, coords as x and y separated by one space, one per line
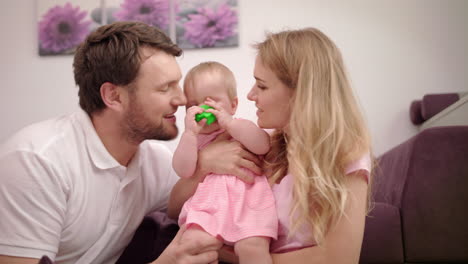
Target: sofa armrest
383 242
434 203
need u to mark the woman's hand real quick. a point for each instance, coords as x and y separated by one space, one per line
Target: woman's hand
223 156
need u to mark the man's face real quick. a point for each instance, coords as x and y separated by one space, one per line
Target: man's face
154 99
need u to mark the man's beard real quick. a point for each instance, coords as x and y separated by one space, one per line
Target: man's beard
138 127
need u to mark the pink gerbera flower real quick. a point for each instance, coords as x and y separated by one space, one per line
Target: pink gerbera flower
208 26
152 12
62 28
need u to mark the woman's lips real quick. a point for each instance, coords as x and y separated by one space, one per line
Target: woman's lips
259 111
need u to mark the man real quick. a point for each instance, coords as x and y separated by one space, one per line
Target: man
76 188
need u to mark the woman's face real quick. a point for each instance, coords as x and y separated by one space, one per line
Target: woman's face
271 97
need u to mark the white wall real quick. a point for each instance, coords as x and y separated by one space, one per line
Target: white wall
396 51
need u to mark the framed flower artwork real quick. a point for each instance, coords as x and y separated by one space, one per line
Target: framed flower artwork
64 24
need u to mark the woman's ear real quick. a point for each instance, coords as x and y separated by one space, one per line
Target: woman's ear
111 95
234 103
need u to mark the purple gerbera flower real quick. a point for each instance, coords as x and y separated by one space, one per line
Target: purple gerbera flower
62 28
208 26
151 12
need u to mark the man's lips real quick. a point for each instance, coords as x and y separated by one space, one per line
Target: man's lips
170 117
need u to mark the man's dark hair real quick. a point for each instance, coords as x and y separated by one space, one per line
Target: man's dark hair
112 54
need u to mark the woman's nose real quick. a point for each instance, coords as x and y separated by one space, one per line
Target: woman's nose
251 95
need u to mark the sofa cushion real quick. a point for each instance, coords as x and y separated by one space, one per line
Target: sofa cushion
382 236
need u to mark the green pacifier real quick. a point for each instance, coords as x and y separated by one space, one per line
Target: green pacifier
210 117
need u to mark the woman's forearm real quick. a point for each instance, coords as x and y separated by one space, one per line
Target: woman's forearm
182 191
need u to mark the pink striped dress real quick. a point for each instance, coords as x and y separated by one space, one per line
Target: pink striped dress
230 209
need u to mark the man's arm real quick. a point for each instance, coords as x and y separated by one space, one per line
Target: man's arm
220 156
33 205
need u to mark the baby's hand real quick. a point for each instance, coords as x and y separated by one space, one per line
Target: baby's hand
223 117
190 123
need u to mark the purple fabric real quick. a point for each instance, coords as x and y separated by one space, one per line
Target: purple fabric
434 207
425 178
45 260
151 238
415 112
390 173
382 247
432 104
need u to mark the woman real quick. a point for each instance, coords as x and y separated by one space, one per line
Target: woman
319 163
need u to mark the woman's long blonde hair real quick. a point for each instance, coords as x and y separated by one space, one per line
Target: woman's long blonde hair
326 131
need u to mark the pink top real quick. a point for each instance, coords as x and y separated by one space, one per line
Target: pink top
283 196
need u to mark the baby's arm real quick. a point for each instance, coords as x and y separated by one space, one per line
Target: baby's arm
250 135
245 131
185 156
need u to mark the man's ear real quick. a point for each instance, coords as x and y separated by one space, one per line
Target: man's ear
111 95
234 103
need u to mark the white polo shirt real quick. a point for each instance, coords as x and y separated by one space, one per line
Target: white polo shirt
63 195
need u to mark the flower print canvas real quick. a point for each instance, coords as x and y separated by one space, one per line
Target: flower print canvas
206 23
152 12
63 25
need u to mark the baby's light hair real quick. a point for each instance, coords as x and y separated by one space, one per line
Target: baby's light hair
210 67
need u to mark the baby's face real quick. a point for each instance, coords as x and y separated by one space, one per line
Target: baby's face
209 85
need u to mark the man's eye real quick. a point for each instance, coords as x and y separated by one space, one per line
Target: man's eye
164 89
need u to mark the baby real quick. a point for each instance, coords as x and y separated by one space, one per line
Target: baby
223 206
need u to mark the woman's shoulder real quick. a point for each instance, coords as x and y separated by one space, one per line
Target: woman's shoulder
362 165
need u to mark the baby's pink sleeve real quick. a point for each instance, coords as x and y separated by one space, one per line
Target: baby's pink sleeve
363 164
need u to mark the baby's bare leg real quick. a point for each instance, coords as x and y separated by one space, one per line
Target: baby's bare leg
254 250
